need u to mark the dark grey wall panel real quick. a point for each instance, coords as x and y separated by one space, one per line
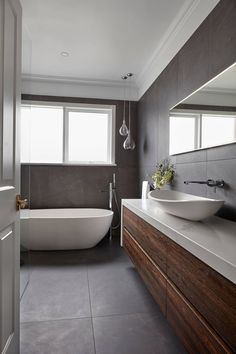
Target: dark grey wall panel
210 50
194 61
77 186
222 36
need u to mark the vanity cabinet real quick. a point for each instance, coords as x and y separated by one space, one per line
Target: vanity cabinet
199 303
150 239
209 292
154 279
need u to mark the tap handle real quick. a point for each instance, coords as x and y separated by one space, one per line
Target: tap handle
220 183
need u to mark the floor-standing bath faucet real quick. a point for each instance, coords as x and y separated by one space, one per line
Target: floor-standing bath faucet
113 198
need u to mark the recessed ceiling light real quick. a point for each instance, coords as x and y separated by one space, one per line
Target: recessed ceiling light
65 54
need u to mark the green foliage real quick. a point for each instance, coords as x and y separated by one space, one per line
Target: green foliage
164 173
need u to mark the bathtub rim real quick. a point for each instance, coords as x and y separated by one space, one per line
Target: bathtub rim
29 213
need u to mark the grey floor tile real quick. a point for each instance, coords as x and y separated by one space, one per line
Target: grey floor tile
56 304
135 334
105 252
118 289
56 292
53 258
57 337
108 251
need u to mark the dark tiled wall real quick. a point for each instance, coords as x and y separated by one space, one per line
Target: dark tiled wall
55 186
209 51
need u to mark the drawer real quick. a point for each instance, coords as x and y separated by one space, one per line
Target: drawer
212 295
149 238
151 275
196 335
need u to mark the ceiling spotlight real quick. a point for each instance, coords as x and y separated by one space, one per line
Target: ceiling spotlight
65 54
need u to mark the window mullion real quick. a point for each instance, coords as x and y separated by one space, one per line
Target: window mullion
109 122
200 131
65 134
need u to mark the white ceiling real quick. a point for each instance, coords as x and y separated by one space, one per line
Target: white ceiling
106 38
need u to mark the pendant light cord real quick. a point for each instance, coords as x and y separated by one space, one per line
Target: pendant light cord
130 75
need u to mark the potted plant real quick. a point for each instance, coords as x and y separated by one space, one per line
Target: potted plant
164 173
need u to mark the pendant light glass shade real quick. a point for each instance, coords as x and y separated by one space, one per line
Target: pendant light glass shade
129 143
124 129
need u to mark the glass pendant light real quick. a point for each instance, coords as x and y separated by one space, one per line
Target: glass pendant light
123 129
129 143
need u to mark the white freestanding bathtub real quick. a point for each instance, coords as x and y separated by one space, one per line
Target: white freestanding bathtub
64 229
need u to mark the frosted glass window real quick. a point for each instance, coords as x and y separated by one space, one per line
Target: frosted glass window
41 134
182 134
88 139
218 130
70 135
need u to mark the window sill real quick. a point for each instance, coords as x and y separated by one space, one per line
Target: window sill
68 164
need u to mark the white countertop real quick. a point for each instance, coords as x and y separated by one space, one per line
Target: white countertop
213 240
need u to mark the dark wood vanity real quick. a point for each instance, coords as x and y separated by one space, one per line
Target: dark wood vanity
199 303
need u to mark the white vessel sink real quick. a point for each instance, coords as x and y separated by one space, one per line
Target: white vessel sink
184 205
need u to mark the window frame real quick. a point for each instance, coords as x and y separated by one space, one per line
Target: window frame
79 107
198 125
197 128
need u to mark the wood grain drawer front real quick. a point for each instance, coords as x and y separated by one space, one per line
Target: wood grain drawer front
151 275
149 238
210 293
194 332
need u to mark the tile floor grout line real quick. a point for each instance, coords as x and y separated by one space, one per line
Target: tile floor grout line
89 317
58 319
91 312
127 314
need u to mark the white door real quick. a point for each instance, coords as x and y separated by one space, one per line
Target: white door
10 73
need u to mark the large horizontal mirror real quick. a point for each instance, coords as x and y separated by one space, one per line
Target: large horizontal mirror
206 118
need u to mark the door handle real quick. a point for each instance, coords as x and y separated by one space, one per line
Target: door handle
21 203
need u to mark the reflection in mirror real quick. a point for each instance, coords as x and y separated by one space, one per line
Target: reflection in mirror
206 118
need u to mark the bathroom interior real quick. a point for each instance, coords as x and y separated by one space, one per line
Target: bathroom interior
127 200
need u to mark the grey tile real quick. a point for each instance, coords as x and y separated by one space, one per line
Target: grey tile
222 152
148 128
106 252
145 174
222 36
25 182
191 157
168 88
24 279
41 259
137 333
128 183
226 170
57 337
56 292
173 159
70 186
194 61
118 289
191 171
